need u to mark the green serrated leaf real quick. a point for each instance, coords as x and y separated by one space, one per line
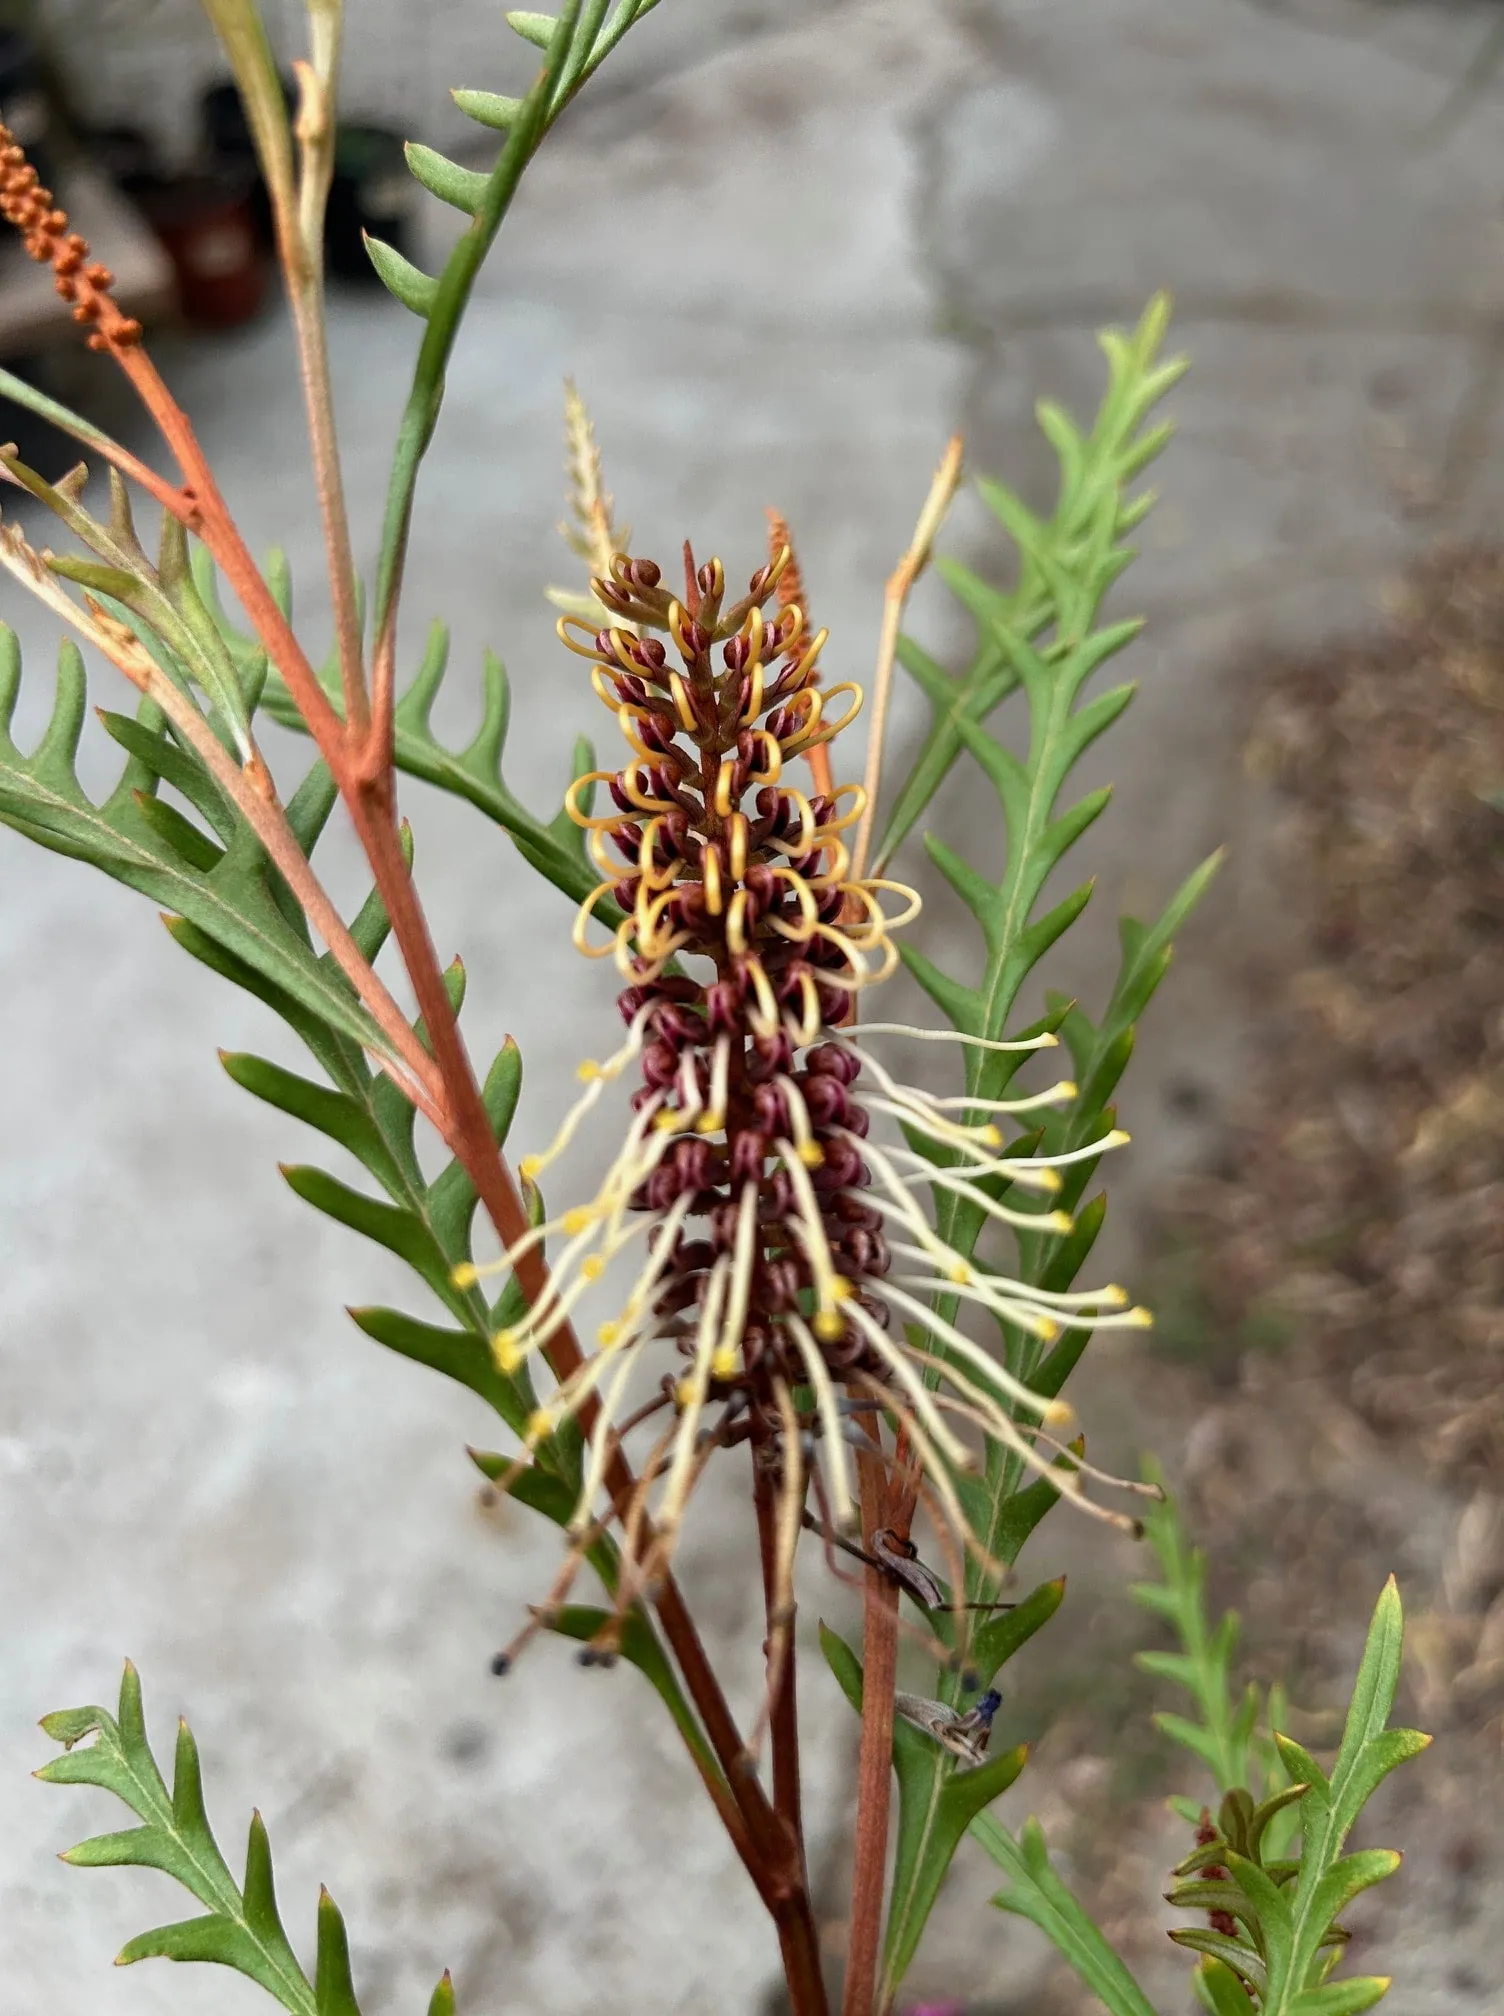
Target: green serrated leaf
1034 1891
238 1930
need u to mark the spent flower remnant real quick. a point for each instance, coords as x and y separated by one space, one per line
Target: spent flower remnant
783 1250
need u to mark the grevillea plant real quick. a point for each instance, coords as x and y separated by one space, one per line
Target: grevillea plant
861 1292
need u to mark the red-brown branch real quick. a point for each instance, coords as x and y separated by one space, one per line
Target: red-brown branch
890 1505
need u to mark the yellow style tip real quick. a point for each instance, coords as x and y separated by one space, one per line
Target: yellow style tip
465 1275
539 1427
960 1273
1140 1318
588 1071
1049 1181
529 1167
1049 1329
723 1364
1118 1138
1059 1414
577 1220
1114 1296
593 1267
607 1335
1060 1221
1068 1088
812 1155
504 1350
991 1137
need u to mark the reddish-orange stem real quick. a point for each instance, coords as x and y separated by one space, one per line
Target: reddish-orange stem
891 1505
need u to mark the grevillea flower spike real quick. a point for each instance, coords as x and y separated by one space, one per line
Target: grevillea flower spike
781 1253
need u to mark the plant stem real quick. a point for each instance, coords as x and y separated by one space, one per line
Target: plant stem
889 1505
783 1709
900 584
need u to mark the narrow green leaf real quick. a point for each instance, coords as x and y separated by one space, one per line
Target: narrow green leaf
1221 1991
333 1989
217 1940
332 1113
458 1354
400 1231
463 188
442 2000
535 28
414 288
487 108
1302 1766
1378 1676
995 1642
1034 1891
1241 1959
1342 1998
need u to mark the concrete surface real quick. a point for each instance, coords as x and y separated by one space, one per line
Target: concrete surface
898 218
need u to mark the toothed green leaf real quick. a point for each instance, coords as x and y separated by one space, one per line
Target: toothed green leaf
1095 471
1034 1891
239 1928
226 894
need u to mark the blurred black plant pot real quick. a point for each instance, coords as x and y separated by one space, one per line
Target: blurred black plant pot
207 224
23 100
372 191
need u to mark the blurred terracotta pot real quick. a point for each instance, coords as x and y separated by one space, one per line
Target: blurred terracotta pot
207 224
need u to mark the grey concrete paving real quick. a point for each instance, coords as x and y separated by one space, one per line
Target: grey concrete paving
899 218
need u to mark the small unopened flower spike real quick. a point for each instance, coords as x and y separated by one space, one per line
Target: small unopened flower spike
43 226
782 1259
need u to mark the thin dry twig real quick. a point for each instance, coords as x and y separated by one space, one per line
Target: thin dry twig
900 586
